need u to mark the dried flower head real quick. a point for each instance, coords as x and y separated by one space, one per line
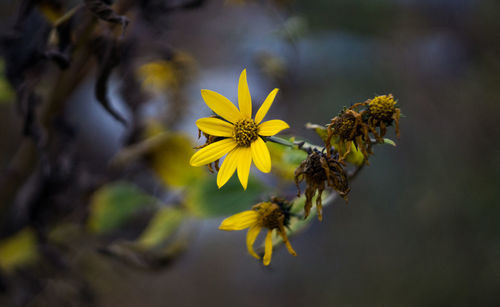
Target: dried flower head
274 214
382 112
319 171
347 128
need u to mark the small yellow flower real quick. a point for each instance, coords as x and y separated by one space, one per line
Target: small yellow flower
271 215
242 136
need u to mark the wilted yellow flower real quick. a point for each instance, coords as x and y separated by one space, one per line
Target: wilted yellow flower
349 128
382 112
242 136
271 215
320 171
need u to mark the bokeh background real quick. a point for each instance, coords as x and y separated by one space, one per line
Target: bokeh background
422 225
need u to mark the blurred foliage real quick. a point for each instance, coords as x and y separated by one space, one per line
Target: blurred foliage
167 75
18 250
205 200
170 156
163 224
6 92
114 204
293 28
285 160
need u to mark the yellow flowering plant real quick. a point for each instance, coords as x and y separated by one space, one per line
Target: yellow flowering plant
321 172
241 138
103 162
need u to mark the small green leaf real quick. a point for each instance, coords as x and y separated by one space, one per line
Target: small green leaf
6 92
18 250
390 142
205 200
116 203
161 227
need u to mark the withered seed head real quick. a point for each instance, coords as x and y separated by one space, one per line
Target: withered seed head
320 171
382 108
382 112
270 215
344 125
347 125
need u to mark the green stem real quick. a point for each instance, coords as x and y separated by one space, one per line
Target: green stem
302 145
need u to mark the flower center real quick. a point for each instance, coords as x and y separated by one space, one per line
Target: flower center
344 126
245 132
383 107
270 215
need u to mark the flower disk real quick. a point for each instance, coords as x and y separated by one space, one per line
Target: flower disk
382 108
346 126
270 215
245 132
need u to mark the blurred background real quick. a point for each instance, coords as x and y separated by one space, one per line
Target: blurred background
99 207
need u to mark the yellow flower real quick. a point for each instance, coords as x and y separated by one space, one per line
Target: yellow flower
271 215
242 136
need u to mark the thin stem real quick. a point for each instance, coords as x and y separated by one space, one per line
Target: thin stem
301 145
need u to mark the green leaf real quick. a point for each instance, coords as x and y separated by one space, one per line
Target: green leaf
205 200
18 250
390 142
6 92
115 204
161 227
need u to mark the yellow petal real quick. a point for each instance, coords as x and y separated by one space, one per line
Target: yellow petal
215 126
268 248
265 106
244 98
282 232
228 167
244 162
221 105
261 156
212 152
271 127
252 234
240 221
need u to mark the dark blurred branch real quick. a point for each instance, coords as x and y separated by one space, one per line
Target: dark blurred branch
110 61
27 155
105 12
17 172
